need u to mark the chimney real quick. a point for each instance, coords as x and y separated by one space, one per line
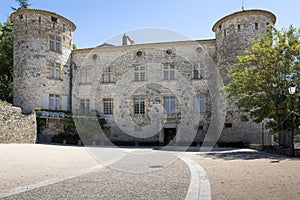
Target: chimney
127 41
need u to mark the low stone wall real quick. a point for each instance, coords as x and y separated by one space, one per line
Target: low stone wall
16 127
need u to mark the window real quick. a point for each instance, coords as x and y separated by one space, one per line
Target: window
238 28
54 70
199 49
107 75
54 102
256 26
169 51
84 105
220 27
139 105
54 19
139 53
199 104
55 43
224 32
108 106
139 73
198 71
169 72
84 76
228 125
169 105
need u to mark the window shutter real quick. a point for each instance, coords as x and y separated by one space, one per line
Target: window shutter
202 104
45 103
64 102
196 104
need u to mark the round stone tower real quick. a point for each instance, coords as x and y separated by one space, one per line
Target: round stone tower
42 60
233 33
232 38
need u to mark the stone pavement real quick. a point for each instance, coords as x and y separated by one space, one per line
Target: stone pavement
69 172
64 172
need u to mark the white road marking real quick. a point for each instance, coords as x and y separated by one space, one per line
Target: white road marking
199 186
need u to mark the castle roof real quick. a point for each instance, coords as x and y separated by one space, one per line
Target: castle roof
37 11
243 13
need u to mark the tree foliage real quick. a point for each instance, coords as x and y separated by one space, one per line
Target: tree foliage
22 4
6 61
263 74
6 56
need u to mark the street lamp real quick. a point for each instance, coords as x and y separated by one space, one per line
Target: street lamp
292 90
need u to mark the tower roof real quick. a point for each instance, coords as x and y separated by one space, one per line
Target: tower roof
37 11
243 13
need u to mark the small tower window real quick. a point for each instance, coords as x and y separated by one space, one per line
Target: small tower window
220 27
21 16
256 26
239 28
268 28
225 32
40 20
54 19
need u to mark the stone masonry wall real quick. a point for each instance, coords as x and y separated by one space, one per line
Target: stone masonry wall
32 57
16 127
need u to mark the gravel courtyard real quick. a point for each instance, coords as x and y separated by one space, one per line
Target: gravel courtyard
233 173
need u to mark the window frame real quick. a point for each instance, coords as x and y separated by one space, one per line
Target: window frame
84 76
168 111
86 105
199 69
107 75
200 104
139 73
169 72
140 106
54 99
108 106
55 43
55 69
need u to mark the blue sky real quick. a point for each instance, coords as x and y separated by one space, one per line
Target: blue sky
98 20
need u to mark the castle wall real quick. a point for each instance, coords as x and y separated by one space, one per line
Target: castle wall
122 89
48 74
16 127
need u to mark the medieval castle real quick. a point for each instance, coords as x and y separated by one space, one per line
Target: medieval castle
169 92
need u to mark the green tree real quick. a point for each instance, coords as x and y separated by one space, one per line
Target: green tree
6 61
263 74
6 55
22 4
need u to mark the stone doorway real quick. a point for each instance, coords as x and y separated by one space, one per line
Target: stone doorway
169 136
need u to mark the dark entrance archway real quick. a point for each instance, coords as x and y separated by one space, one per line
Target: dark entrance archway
169 136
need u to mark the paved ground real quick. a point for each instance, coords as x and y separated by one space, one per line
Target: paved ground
65 172
248 174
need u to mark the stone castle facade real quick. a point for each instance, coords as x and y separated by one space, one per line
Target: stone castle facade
157 92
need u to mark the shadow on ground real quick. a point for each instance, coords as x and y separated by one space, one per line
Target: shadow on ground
246 155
